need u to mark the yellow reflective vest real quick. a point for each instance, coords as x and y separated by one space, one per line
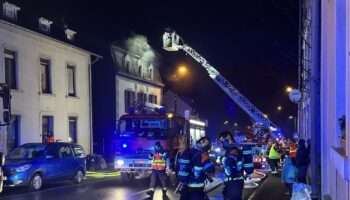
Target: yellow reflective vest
273 153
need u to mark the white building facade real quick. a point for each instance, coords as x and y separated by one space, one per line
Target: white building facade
335 99
136 80
50 85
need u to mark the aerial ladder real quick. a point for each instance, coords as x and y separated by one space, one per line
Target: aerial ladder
173 42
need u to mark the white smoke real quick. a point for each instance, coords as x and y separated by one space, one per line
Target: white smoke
138 44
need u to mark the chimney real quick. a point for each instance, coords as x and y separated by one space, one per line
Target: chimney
10 11
44 24
70 34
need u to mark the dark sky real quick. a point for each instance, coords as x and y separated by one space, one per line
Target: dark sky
253 43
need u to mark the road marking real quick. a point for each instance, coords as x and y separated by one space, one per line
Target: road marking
137 193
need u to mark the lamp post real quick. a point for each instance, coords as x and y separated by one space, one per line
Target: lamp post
181 72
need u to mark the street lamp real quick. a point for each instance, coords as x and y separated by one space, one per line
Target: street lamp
181 72
289 89
266 116
236 124
279 108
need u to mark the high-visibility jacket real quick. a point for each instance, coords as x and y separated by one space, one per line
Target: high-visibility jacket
200 167
158 161
274 154
293 150
247 151
233 165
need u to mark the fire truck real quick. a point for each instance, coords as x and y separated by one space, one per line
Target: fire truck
137 133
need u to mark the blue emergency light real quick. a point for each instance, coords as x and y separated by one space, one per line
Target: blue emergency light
124 145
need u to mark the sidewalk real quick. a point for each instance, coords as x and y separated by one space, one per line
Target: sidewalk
271 188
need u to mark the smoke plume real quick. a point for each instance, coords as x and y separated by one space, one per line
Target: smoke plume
138 44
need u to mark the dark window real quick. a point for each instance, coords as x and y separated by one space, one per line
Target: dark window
65 152
53 151
47 126
71 80
152 99
140 70
73 129
10 69
141 97
127 66
45 76
129 99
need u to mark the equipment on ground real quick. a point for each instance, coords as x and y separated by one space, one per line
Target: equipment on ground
173 42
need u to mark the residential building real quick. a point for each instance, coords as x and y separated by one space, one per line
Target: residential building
49 76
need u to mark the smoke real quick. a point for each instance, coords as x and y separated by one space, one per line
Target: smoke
138 44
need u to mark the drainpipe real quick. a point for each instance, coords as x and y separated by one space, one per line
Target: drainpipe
90 103
315 97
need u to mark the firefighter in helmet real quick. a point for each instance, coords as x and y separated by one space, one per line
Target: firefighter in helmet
195 169
233 167
158 168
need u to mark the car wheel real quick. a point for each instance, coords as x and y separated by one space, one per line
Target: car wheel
79 177
36 182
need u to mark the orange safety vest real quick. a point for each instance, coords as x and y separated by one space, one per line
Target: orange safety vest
292 150
158 162
51 140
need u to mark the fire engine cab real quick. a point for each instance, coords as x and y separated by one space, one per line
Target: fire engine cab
139 131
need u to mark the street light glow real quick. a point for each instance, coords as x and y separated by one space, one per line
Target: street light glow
289 89
266 115
279 108
291 117
236 124
182 70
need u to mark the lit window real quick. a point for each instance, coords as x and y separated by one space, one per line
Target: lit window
10 11
73 129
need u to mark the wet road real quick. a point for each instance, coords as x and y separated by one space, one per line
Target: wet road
92 190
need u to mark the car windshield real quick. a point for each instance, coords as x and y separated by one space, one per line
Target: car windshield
143 128
26 152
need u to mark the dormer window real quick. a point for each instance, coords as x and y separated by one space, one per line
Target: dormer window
70 34
10 11
44 24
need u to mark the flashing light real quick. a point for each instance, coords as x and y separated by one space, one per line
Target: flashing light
217 149
124 146
170 115
120 162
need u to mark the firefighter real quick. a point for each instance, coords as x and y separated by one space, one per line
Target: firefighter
233 168
158 169
49 138
274 157
195 170
248 165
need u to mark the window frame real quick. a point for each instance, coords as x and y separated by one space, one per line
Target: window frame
73 68
48 71
75 139
11 54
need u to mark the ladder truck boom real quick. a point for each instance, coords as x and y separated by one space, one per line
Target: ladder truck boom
172 42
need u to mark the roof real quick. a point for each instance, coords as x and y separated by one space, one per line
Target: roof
30 23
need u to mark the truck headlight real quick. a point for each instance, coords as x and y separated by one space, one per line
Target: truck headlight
23 168
120 162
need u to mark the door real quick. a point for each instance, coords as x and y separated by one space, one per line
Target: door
52 166
67 165
13 133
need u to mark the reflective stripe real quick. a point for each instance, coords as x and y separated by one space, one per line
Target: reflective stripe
196 185
197 168
181 173
184 161
207 166
232 179
248 165
247 152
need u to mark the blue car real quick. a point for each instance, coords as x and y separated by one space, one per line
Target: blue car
34 164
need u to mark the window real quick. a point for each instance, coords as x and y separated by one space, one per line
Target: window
45 77
151 74
54 152
129 99
10 68
47 126
10 11
152 99
71 80
141 97
127 66
78 151
72 129
140 71
65 152
44 24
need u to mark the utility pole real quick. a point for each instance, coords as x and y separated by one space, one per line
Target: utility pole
315 97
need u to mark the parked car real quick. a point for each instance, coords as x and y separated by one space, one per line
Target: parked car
2 161
34 164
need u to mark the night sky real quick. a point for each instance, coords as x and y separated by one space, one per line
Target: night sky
253 43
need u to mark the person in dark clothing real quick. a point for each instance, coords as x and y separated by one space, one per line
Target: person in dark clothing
302 161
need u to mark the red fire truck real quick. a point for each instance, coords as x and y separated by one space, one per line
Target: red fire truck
136 136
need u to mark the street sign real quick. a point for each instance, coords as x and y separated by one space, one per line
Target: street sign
295 95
